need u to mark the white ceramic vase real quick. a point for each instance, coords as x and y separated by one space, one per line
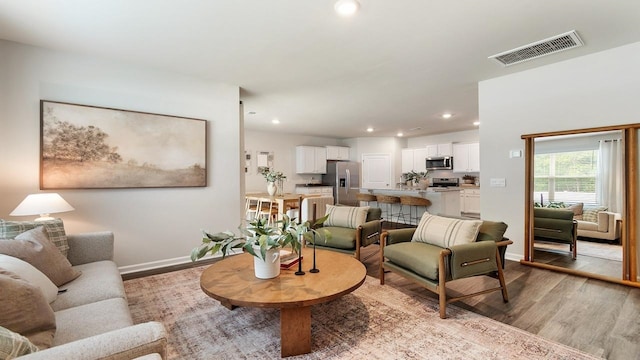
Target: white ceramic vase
269 267
271 188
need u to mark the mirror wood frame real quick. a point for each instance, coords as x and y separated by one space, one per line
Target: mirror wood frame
628 237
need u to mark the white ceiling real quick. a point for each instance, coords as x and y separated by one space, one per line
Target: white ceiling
397 65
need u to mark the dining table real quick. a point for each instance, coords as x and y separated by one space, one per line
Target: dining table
285 201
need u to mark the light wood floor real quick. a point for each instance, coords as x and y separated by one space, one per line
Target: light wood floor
597 317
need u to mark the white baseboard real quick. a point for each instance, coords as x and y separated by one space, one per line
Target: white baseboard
160 264
513 257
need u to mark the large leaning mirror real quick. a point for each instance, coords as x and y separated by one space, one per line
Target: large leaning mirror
581 200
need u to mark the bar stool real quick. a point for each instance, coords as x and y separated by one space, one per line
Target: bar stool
413 202
366 198
389 200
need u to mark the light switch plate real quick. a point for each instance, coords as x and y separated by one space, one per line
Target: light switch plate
497 182
515 153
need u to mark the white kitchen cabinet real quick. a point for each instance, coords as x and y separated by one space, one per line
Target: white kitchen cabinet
419 159
466 157
470 201
407 160
311 160
439 150
337 153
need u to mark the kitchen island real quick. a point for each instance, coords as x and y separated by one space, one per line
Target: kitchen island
444 201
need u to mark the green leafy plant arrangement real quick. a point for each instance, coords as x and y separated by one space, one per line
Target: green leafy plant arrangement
259 235
272 175
415 176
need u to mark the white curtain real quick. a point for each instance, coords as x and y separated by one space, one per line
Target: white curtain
610 175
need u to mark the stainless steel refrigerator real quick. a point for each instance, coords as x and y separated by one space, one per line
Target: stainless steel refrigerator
344 176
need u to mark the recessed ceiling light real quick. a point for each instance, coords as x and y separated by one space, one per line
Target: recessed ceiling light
447 115
400 134
476 123
346 7
369 129
275 121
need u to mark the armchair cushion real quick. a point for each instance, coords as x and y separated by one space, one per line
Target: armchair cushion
346 216
591 214
341 238
445 232
421 258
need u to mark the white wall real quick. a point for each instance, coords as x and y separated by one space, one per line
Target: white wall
379 145
283 147
150 225
595 90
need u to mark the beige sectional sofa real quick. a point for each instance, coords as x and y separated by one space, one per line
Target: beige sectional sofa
92 317
607 226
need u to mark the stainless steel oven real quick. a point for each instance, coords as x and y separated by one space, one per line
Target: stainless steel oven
439 163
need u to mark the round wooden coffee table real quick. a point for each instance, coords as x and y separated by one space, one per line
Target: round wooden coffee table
232 281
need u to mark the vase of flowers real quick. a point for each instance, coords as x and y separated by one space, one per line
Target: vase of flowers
272 176
272 188
262 241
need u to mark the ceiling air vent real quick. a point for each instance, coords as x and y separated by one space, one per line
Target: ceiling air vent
540 48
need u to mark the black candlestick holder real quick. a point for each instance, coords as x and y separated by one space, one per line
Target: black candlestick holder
300 272
314 269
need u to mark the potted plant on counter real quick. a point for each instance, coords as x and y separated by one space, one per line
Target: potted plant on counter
261 240
417 179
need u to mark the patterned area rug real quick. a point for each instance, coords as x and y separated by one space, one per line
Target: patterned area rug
373 322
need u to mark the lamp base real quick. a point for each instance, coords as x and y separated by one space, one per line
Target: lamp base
45 217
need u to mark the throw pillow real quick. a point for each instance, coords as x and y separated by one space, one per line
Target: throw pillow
35 248
591 214
13 344
346 216
32 275
54 228
25 310
577 209
556 205
445 232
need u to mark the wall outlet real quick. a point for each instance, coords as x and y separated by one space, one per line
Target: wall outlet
497 182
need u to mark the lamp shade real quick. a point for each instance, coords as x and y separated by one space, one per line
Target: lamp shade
42 204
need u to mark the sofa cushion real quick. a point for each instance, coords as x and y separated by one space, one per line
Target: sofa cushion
346 216
32 275
444 231
91 319
54 228
100 280
491 230
25 310
34 247
587 225
421 258
591 214
13 344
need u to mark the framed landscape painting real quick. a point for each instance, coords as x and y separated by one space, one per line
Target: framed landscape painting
90 147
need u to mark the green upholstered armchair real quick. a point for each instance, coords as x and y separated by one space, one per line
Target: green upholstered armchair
556 225
432 266
351 239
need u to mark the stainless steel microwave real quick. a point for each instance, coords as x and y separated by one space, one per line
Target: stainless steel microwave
439 163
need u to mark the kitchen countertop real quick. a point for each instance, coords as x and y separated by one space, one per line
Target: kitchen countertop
313 185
